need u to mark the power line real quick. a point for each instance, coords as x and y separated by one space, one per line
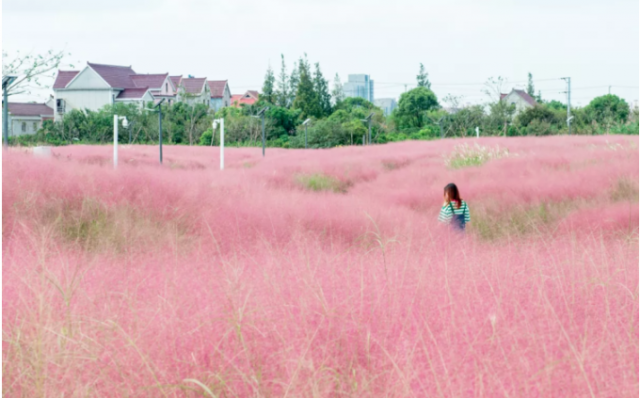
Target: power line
506 81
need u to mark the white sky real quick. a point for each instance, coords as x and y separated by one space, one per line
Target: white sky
594 42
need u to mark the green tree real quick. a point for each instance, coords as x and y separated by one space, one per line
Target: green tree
284 121
321 87
294 80
540 113
608 109
324 133
463 121
412 107
500 117
337 93
268 88
283 85
530 88
556 105
306 97
423 78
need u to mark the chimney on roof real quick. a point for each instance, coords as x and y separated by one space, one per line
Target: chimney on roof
190 76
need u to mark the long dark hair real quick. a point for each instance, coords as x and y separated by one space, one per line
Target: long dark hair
453 194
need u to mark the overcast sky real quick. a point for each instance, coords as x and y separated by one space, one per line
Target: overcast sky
594 42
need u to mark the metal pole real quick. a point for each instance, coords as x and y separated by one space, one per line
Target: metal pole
222 144
115 141
363 139
160 130
477 132
369 130
305 137
263 137
569 104
5 118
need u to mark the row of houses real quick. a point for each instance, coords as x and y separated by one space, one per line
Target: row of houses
97 85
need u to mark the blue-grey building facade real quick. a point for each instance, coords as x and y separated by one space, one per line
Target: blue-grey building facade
386 104
359 86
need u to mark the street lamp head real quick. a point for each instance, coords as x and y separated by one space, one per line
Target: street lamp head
306 122
160 103
7 80
125 122
214 124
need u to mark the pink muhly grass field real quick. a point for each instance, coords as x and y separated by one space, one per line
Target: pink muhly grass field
322 272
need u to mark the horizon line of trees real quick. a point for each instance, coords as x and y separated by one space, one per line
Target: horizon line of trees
304 93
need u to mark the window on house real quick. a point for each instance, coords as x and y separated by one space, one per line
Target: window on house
24 127
166 87
35 127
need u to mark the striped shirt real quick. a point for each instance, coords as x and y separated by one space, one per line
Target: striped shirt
445 213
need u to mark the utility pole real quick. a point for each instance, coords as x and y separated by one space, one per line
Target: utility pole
6 82
261 114
159 108
568 79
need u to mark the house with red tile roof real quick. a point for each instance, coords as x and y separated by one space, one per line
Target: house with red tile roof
27 118
520 99
248 98
220 94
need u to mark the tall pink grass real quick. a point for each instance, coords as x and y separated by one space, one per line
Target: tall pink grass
183 280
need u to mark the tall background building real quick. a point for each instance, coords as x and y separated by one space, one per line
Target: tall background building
386 104
359 86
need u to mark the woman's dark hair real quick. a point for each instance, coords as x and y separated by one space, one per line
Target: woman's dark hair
454 195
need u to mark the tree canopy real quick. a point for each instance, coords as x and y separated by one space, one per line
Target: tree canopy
413 105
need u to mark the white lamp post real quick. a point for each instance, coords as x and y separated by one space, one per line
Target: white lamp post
125 123
215 125
305 124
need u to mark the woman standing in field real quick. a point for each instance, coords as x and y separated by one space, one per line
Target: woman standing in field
455 211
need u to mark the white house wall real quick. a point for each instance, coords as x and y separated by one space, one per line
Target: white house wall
87 79
32 125
203 98
518 101
84 99
138 101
